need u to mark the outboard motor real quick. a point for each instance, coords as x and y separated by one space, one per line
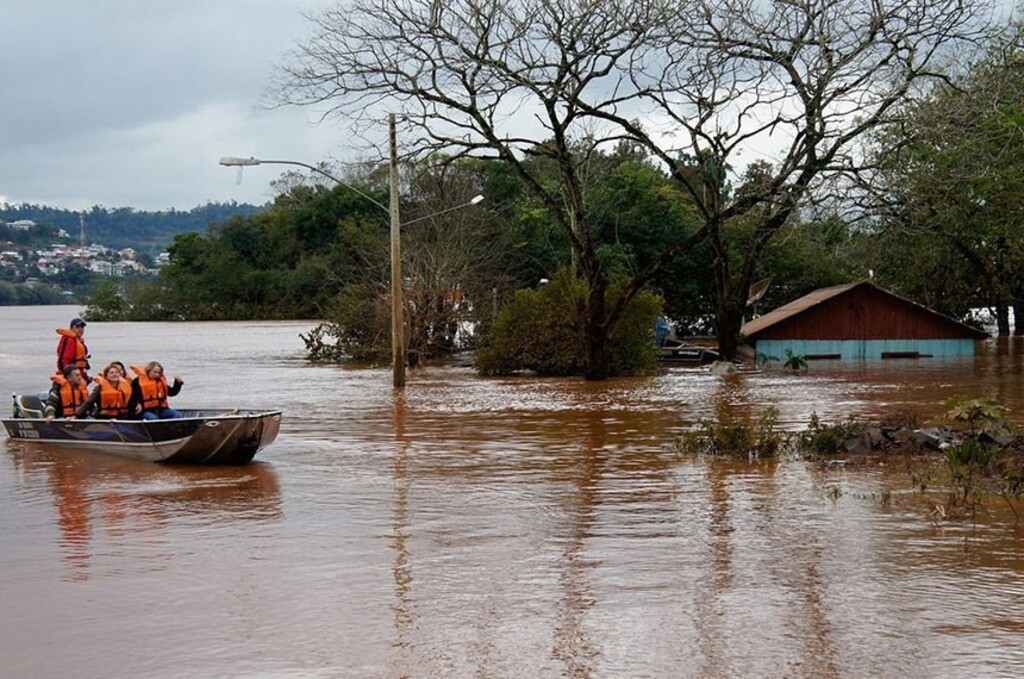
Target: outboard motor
27 406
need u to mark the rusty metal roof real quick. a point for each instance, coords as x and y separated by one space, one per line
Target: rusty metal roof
793 308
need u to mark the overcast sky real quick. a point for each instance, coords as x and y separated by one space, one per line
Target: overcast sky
129 103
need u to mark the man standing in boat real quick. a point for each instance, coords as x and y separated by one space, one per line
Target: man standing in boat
150 392
71 349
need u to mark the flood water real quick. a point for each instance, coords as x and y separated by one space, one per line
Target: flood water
493 528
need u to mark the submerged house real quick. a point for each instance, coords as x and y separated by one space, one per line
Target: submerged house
858 321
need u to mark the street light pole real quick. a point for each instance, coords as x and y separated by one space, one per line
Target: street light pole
398 350
397 321
397 305
231 161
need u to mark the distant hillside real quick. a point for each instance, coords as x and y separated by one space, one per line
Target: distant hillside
126 227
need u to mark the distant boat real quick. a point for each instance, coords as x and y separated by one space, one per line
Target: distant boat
687 353
209 437
673 350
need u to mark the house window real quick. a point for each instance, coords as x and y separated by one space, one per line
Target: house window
904 354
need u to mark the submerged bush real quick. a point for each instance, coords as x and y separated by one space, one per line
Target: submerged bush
974 412
795 362
971 459
828 439
542 330
360 329
732 436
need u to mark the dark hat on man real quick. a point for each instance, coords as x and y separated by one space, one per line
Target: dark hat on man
75 322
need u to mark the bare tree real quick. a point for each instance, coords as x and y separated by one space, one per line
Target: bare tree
493 80
799 83
801 80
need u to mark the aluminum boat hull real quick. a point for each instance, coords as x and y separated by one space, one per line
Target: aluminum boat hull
197 437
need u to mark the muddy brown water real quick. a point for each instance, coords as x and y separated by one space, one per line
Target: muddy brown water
493 528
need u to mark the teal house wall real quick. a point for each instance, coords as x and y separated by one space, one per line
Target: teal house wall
855 350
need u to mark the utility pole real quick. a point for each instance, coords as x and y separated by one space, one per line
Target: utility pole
398 350
397 304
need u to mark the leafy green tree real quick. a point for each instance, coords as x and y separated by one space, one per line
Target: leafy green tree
39 235
106 303
638 212
543 330
456 265
951 189
805 256
29 294
75 276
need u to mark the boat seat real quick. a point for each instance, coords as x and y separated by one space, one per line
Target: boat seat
28 406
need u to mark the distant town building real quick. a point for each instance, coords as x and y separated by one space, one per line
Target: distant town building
21 224
18 260
101 267
128 266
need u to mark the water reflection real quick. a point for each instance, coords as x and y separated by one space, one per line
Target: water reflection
573 648
106 504
710 618
401 568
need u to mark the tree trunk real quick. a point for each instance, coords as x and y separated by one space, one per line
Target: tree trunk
1003 319
728 321
595 328
1018 319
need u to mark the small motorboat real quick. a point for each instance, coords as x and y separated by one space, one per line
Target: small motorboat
687 353
215 436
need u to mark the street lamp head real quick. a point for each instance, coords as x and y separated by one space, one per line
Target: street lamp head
231 161
476 199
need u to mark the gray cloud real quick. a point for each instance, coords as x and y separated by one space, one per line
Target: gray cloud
127 103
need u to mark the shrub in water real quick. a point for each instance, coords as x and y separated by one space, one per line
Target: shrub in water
728 435
542 330
828 439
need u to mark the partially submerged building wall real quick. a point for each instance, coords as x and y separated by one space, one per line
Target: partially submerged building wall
859 321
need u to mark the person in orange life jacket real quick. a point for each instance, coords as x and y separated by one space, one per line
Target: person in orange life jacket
71 349
109 398
150 392
124 371
69 391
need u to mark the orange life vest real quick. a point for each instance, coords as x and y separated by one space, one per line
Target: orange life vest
154 392
81 360
113 400
70 396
